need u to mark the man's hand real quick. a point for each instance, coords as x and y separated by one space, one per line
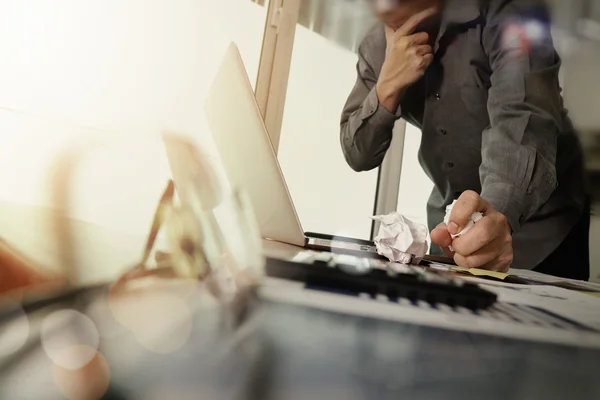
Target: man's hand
407 57
487 245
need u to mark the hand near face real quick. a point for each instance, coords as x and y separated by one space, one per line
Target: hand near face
487 245
408 55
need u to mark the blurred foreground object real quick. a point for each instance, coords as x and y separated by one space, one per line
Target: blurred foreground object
19 272
204 288
211 230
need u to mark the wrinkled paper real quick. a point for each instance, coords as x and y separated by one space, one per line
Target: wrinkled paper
400 239
474 218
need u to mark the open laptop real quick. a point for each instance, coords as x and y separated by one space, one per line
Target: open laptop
250 161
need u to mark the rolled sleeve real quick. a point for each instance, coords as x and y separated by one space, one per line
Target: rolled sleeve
518 169
506 198
366 126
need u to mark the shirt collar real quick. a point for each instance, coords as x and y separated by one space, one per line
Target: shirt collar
460 11
457 12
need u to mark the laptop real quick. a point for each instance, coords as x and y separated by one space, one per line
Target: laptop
250 162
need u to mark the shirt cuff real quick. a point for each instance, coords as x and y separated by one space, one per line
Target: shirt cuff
376 113
508 200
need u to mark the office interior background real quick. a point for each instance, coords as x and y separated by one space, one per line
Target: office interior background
103 79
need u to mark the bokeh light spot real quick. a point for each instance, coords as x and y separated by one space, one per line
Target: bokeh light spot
161 322
164 324
69 338
535 31
90 382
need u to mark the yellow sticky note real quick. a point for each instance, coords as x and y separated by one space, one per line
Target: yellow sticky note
482 272
595 294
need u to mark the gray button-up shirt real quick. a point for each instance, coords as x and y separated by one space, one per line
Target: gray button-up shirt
492 120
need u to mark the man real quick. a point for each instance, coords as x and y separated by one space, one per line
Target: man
480 79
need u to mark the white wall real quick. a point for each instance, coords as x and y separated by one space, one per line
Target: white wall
329 196
580 70
131 67
415 185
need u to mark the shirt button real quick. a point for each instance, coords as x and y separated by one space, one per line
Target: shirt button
443 132
450 165
437 96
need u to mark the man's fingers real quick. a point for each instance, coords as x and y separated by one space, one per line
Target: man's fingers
449 253
501 263
483 232
423 50
468 203
418 39
413 22
483 258
427 60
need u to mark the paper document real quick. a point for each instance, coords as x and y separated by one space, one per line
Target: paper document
577 306
537 276
532 276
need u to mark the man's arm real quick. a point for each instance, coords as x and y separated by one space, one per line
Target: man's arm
366 126
518 172
372 108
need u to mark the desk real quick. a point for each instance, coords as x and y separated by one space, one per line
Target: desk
290 352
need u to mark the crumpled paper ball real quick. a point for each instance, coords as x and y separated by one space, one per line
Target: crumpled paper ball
400 239
474 218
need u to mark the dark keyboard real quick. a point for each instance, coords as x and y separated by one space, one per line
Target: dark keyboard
353 275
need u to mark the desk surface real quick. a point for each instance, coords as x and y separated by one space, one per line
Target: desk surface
285 351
